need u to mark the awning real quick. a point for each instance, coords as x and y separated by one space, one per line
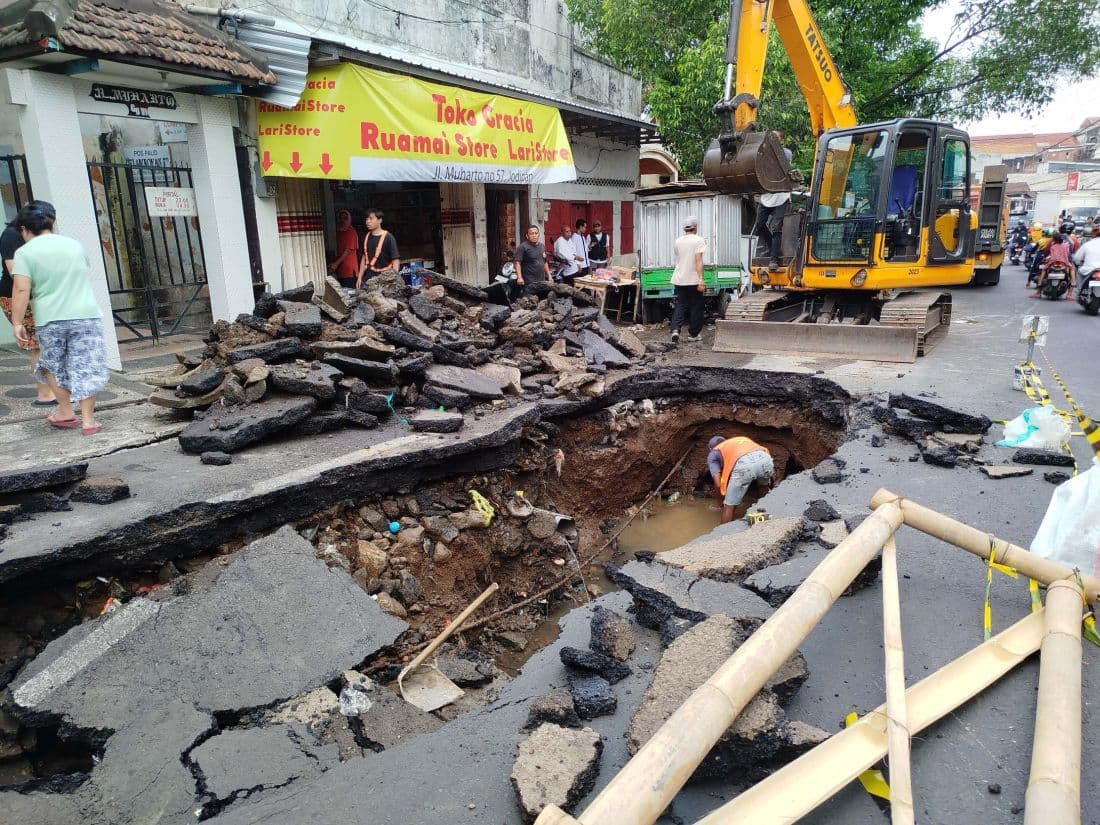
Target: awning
287 54
355 123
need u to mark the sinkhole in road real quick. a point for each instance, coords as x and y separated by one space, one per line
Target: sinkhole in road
574 482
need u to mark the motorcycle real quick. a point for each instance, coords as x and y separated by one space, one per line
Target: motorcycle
1015 252
1034 264
1088 295
1056 283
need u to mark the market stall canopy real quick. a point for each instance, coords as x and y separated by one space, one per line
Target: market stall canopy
146 32
355 123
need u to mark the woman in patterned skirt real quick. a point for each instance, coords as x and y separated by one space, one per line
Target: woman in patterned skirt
50 273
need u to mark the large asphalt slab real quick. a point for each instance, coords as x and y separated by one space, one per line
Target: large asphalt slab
266 624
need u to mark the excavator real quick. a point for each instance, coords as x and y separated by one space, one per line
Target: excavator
888 211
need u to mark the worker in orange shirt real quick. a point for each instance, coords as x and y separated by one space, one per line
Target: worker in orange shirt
734 465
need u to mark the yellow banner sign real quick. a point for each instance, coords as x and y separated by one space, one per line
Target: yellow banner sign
354 123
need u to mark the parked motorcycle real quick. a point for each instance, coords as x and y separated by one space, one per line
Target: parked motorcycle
1056 283
1088 296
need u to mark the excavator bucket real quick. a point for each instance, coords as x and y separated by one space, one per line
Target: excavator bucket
750 164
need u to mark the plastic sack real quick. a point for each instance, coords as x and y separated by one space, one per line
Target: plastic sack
1070 532
1040 428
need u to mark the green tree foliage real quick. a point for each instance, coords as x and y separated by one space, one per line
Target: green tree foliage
1000 55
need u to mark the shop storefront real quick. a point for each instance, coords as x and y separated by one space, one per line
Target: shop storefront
453 170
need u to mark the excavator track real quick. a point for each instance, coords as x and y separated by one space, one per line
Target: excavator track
757 306
929 313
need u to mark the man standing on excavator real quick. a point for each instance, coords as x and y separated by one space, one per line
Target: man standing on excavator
734 464
769 219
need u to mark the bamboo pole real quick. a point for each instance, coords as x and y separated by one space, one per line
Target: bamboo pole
897 721
975 541
645 786
800 786
1054 787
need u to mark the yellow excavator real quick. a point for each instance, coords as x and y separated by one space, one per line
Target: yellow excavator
888 212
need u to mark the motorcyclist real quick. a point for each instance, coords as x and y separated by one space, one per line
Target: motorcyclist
1087 258
1058 252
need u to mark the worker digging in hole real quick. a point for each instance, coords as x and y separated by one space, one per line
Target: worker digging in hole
735 464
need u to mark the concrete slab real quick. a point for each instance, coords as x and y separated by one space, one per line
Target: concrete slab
555 766
151 675
775 584
733 555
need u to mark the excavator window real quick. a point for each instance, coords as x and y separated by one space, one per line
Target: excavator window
905 198
847 197
952 198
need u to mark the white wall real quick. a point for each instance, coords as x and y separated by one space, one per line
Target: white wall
527 44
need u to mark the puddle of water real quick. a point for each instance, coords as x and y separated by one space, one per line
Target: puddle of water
670 526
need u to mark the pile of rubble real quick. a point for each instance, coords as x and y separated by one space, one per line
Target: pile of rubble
316 363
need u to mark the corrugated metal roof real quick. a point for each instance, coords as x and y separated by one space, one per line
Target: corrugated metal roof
287 55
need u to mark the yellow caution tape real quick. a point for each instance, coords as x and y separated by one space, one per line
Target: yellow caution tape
1088 426
1088 630
1036 600
987 612
482 505
872 780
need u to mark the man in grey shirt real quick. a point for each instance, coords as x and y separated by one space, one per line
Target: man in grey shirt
531 266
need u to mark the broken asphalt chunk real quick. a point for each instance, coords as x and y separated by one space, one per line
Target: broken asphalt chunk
100 490
228 429
555 707
828 471
612 635
592 696
282 349
586 660
1049 458
728 553
39 478
301 320
372 371
950 420
315 379
436 421
1006 471
467 381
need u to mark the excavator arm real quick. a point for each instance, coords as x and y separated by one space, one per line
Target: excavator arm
746 161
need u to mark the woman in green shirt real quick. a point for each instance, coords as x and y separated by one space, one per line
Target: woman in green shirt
50 273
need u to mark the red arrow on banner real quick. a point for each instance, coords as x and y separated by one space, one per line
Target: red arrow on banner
295 164
266 162
326 167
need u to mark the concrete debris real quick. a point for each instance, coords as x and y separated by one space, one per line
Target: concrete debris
949 420
758 732
316 379
508 378
556 766
940 455
598 351
467 668
833 532
966 442
468 381
612 635
829 471
1006 471
591 662
436 421
1055 476
100 490
555 707
729 556
592 696
41 478
1044 457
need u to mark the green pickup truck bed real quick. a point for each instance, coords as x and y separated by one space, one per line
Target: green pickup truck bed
657 283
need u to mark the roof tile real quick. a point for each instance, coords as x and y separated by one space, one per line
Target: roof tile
152 29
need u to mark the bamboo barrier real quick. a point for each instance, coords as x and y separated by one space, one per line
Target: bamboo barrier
1054 787
897 720
800 786
645 786
975 541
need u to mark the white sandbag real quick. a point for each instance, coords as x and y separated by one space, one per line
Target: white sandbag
1040 428
1070 532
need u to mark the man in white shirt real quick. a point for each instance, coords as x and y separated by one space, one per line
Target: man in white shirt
580 243
769 222
1087 259
564 249
687 279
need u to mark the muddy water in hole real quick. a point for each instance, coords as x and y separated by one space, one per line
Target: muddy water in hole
665 527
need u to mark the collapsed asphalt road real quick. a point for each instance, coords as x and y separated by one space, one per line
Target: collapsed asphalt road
461 772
